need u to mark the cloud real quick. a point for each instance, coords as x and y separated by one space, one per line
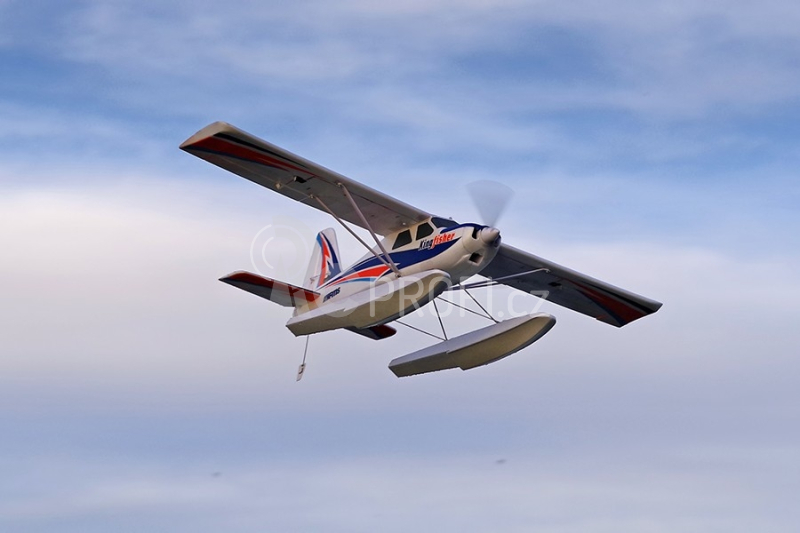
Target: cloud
685 60
649 146
599 492
484 86
114 294
131 376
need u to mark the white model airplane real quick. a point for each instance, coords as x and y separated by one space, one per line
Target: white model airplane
419 257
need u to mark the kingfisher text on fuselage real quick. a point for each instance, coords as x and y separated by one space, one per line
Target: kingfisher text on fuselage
428 244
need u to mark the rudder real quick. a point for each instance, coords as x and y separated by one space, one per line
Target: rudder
324 262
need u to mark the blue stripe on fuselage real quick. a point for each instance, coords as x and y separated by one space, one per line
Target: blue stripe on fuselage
401 259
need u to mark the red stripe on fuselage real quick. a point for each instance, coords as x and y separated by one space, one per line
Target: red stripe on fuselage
372 272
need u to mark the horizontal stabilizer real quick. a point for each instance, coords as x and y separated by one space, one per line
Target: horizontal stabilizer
276 291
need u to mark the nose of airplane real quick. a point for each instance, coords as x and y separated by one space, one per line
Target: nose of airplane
490 235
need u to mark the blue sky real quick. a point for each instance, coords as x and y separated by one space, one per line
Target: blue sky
654 146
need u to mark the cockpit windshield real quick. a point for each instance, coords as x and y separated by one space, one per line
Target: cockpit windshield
440 222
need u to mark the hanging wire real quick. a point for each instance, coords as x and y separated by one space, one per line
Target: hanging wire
305 351
302 368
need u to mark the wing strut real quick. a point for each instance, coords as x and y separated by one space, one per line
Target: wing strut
386 259
369 228
444 333
494 281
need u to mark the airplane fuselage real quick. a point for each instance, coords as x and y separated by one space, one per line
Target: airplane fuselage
460 250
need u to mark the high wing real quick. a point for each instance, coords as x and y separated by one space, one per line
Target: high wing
291 175
566 287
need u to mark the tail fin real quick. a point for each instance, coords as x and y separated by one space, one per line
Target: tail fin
324 261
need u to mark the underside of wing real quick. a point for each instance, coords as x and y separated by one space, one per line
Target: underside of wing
568 288
300 179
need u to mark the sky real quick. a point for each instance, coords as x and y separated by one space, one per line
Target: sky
651 145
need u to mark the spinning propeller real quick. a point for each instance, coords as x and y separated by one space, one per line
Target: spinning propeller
491 199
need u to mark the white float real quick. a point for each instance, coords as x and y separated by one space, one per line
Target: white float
476 348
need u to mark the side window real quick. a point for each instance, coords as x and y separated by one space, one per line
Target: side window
423 230
402 239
